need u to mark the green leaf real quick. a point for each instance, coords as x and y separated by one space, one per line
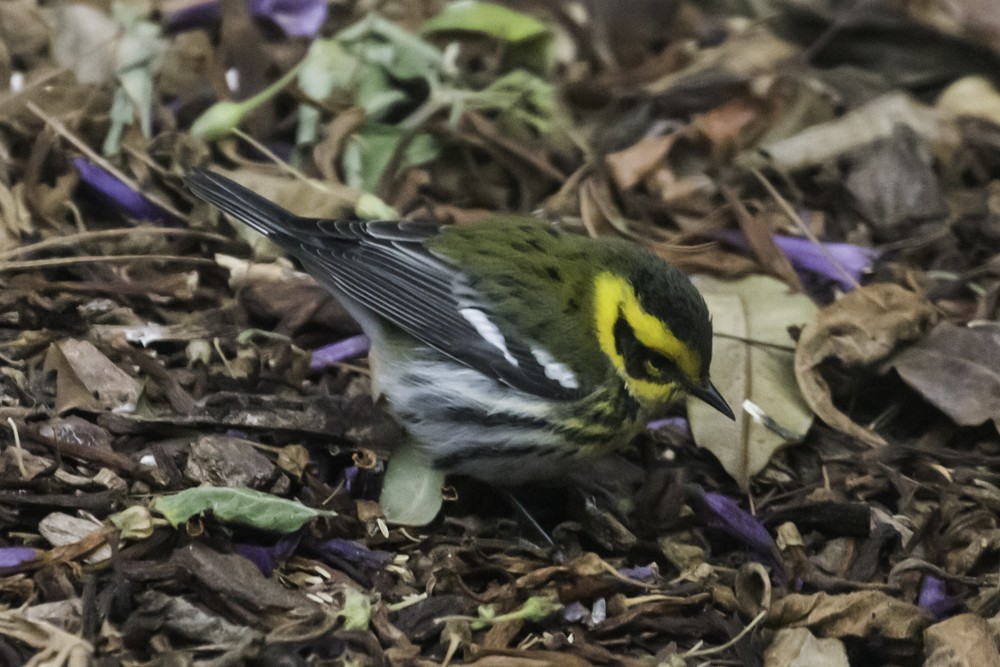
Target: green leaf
527 106
400 53
372 147
529 41
244 507
223 117
488 19
357 611
326 67
411 492
218 120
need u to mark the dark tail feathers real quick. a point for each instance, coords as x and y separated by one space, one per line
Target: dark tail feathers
242 203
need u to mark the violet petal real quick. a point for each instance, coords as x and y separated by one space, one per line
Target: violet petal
349 348
192 16
725 514
638 572
679 424
110 188
575 612
807 256
352 557
935 599
296 18
15 556
261 556
265 557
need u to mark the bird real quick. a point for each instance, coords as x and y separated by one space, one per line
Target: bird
511 351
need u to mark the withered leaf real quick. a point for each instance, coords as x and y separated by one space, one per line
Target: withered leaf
798 646
87 379
860 329
966 639
861 614
748 363
956 369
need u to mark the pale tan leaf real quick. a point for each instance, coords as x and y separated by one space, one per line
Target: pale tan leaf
752 360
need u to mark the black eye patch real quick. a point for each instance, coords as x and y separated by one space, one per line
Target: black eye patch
641 362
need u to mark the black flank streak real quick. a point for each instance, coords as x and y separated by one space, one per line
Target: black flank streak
479 451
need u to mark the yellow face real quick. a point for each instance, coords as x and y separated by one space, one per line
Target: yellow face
655 365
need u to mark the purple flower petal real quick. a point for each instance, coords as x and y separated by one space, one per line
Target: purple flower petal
352 558
329 355
638 572
575 612
15 556
108 187
297 18
935 599
725 514
676 423
195 15
266 558
829 260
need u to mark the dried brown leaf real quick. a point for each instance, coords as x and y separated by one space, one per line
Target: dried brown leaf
966 640
861 614
87 379
956 369
629 166
860 329
797 647
218 460
517 658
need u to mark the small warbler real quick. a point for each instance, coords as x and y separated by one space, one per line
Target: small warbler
509 350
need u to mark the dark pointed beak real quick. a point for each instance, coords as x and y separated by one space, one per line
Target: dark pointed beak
708 393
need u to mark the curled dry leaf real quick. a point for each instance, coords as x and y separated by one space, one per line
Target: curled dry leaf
860 614
62 529
971 97
56 647
860 329
966 639
88 380
825 142
795 647
629 166
956 369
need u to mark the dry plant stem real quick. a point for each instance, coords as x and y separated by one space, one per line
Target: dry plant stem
695 652
284 166
787 209
83 237
541 164
94 259
63 131
757 343
18 452
761 244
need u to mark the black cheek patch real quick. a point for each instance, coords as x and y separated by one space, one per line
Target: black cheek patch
630 348
638 358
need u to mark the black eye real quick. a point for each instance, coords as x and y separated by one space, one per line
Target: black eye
660 365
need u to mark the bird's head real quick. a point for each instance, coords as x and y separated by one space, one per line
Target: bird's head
654 327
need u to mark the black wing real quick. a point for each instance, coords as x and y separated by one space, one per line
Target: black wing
384 267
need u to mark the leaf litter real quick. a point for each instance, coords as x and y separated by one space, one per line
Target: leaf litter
191 460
